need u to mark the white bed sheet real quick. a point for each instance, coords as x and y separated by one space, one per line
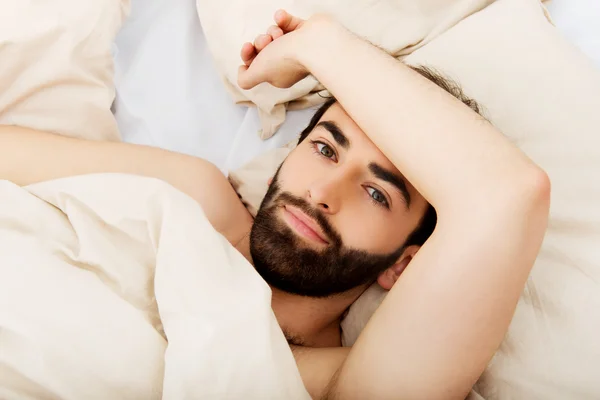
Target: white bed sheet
169 94
168 91
578 21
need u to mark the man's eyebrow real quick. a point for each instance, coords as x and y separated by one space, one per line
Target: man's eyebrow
394 179
336 132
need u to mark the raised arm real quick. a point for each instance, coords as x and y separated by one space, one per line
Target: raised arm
28 156
446 316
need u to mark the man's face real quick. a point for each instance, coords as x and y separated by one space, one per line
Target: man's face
336 214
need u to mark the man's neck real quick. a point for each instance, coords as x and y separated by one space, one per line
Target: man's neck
309 321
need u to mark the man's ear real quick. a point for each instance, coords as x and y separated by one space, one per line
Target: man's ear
388 277
270 181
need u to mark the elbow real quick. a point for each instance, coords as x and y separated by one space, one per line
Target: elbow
522 195
539 203
525 201
535 190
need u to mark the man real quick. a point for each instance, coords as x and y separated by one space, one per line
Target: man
353 203
341 259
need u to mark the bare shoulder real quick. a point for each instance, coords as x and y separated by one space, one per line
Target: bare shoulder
319 367
206 184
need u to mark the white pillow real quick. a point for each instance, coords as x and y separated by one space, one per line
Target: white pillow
57 70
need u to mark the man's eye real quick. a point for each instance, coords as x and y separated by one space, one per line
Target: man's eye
377 196
325 150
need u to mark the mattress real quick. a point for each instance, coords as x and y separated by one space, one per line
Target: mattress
169 94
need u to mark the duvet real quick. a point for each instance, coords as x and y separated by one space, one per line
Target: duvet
117 287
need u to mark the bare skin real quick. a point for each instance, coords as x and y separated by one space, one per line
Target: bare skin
457 294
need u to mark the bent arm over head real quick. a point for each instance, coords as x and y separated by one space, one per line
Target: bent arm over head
443 320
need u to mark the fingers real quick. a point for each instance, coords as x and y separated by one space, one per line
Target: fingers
275 32
248 53
287 22
250 50
261 42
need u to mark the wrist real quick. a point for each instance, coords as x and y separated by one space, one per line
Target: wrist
319 34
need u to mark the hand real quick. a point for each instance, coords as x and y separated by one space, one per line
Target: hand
273 57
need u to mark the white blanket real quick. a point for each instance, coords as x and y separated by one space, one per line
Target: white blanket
118 287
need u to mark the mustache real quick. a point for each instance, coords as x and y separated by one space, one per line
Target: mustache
286 198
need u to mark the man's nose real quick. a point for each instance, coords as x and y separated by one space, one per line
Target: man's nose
327 192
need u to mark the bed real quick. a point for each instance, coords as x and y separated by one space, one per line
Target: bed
170 95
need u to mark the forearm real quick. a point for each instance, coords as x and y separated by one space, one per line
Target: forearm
28 156
449 153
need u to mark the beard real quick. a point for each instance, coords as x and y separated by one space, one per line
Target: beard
285 262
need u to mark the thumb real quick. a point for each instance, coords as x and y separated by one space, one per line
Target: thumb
247 79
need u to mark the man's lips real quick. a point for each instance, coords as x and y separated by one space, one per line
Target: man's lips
304 225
